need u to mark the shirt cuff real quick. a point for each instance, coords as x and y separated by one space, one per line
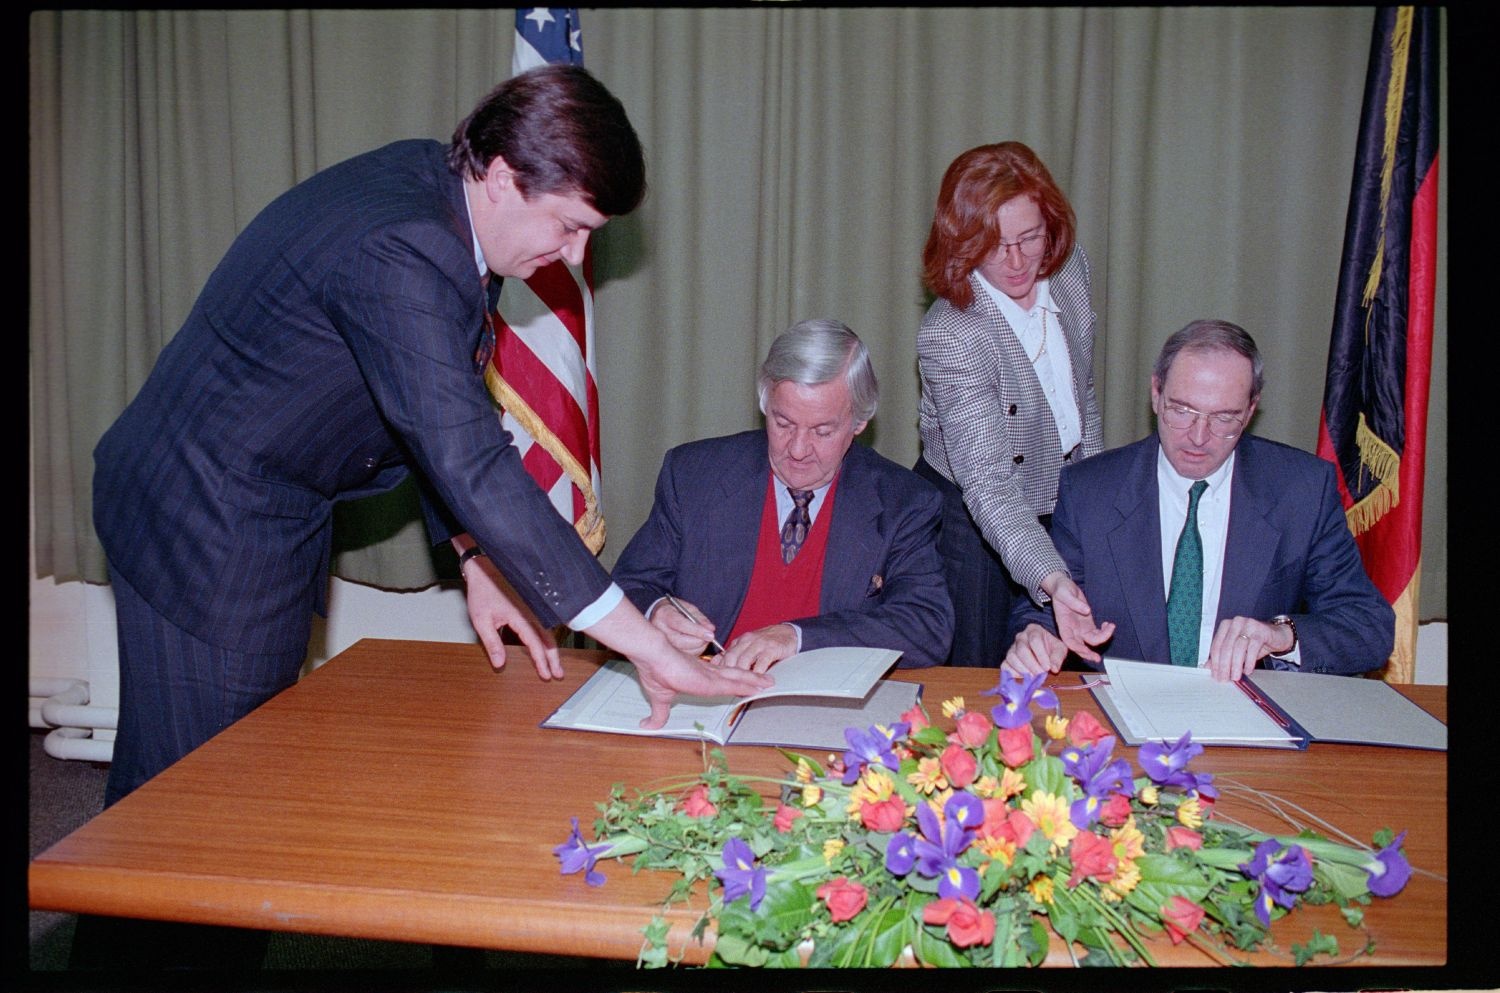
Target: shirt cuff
594 612
799 635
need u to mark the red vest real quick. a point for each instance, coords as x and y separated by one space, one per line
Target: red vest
780 592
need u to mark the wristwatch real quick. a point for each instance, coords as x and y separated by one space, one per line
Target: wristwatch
1283 619
472 552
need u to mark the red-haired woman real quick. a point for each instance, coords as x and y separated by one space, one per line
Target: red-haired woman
1006 360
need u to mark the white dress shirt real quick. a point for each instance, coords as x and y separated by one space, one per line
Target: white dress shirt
1213 531
1041 335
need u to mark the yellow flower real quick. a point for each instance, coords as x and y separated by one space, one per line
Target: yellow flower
804 773
1109 895
831 849
1057 726
929 776
874 785
1190 813
1128 841
1148 795
812 796
1041 889
1050 814
997 849
1127 875
1012 783
985 787
953 706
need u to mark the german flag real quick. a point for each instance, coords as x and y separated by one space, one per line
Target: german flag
1374 421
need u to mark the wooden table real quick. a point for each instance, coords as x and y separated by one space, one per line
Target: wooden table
404 791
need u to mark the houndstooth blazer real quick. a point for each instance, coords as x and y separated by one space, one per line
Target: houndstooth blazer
985 422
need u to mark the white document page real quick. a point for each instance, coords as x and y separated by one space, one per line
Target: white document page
1163 702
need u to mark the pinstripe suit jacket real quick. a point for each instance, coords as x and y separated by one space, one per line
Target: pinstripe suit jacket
330 352
985 422
882 578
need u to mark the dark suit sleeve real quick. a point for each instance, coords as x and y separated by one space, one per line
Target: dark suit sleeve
911 609
1346 625
408 303
647 569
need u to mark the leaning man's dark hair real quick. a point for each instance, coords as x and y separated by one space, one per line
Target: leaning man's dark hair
561 132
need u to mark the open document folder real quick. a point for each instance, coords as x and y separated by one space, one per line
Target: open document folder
1267 709
817 695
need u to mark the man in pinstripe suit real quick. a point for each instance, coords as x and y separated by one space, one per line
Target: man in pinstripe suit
335 349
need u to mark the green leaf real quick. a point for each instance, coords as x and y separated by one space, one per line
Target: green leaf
1163 877
1346 881
931 735
1318 944
1355 916
935 950
871 940
732 949
1046 774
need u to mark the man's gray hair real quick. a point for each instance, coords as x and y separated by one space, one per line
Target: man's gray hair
815 352
1208 335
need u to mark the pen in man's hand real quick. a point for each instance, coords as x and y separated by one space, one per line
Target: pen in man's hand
694 620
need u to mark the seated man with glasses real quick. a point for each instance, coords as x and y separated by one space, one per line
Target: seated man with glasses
1204 546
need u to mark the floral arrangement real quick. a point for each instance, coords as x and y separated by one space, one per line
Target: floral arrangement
970 846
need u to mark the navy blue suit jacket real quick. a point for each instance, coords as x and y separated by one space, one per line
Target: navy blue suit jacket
1288 551
883 582
330 352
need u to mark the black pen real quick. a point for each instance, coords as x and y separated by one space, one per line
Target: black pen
691 619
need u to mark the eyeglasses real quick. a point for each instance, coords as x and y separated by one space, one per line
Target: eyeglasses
1183 418
1031 245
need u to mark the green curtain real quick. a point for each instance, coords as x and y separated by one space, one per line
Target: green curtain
793 156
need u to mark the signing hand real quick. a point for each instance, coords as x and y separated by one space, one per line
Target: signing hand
1035 650
493 605
683 634
759 650
1075 618
1241 642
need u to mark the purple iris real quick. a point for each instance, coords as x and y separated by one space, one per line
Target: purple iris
1098 776
1282 871
1390 870
899 854
575 856
740 874
943 841
1019 693
870 746
1166 764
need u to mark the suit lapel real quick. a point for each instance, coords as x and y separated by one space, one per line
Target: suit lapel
1135 546
849 565
1251 543
740 499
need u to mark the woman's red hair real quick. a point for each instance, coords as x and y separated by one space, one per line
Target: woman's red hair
966 226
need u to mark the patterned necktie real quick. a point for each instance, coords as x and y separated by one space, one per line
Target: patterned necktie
1185 601
798 522
486 349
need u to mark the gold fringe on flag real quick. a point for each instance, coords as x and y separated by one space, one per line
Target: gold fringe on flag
590 526
1382 462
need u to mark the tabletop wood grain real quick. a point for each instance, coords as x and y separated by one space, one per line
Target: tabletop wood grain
404 791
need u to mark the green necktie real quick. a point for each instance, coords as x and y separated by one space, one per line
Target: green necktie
1185 601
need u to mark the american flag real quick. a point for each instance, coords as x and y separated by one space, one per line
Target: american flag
542 372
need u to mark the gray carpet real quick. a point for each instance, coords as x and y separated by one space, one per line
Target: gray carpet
63 795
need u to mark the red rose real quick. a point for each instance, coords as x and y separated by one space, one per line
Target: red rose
1181 917
915 717
1116 810
959 766
1091 856
967 924
887 815
844 897
971 729
1084 729
697 804
1181 837
1015 745
784 817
